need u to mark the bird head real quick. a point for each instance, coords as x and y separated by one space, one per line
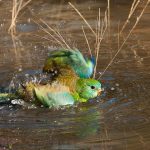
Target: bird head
88 88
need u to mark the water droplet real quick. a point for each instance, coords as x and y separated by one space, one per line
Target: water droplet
20 69
117 84
112 88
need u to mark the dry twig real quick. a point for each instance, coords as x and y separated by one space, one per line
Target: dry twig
87 41
82 18
127 37
132 10
101 30
18 5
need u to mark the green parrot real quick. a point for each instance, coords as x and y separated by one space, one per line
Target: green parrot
59 93
71 59
71 82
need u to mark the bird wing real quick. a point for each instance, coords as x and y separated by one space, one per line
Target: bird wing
57 59
54 95
61 53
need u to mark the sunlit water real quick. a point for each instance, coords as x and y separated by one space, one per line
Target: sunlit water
119 119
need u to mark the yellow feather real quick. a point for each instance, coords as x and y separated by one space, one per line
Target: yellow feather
53 88
68 78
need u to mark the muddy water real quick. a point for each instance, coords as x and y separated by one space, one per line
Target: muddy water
119 119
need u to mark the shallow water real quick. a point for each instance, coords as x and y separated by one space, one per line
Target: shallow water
119 119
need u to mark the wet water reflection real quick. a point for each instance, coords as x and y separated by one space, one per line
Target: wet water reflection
119 119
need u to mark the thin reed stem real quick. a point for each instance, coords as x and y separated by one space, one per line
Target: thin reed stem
57 33
62 39
53 37
87 41
108 10
118 34
59 38
102 27
82 17
18 5
45 38
137 20
132 10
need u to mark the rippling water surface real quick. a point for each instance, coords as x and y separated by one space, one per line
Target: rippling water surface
119 119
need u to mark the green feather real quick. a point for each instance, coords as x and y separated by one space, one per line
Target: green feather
59 59
54 95
69 87
67 93
58 93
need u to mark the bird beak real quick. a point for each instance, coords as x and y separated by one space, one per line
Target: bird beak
99 92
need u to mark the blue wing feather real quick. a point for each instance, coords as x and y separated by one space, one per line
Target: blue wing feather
81 65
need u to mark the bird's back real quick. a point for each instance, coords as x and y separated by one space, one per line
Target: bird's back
74 59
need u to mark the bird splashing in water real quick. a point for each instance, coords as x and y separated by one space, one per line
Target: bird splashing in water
70 81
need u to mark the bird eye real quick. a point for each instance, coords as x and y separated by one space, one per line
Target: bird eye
92 87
